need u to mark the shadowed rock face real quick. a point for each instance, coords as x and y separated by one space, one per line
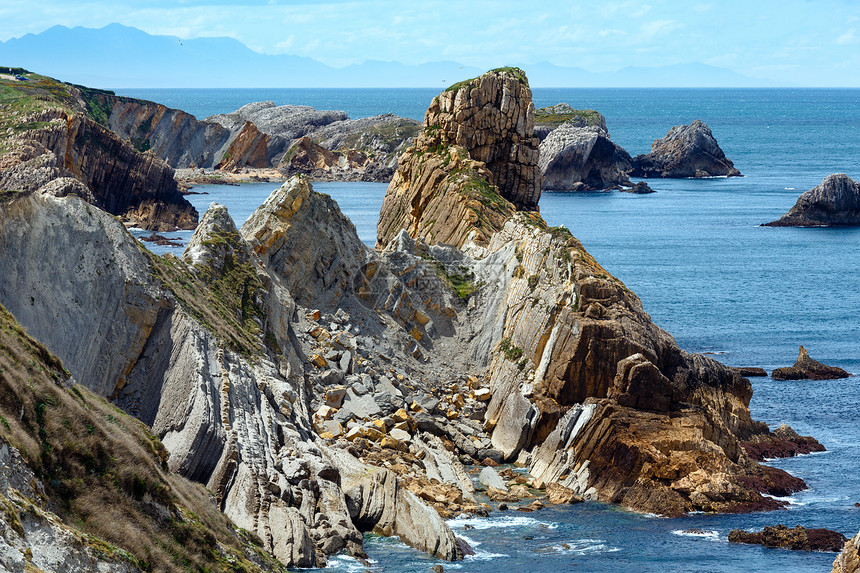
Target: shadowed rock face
805 368
492 118
582 159
686 151
797 539
835 202
138 187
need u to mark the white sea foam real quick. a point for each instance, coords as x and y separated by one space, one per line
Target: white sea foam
708 534
498 522
579 547
790 188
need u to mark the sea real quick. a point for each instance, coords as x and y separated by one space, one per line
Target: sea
706 271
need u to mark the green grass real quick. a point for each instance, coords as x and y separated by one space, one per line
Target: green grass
226 302
508 70
556 115
511 352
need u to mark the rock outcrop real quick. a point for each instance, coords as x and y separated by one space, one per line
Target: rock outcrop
848 560
805 368
477 134
582 159
492 118
783 442
835 202
603 400
686 151
61 139
798 539
315 161
549 118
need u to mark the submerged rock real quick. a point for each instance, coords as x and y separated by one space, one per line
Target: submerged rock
836 201
686 151
805 368
797 539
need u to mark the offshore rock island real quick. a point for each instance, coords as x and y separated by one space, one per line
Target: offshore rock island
319 388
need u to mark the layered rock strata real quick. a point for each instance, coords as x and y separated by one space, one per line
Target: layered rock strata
805 368
203 351
492 118
582 382
848 561
836 201
686 151
61 139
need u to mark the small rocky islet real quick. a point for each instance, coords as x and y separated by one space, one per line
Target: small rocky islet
316 387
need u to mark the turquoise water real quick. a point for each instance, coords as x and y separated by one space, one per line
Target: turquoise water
709 274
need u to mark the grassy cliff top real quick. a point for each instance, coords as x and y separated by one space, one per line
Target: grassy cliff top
105 474
555 115
505 71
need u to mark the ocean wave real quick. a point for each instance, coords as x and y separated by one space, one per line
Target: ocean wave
708 534
579 547
348 564
498 522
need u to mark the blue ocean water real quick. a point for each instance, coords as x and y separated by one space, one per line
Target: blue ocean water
706 272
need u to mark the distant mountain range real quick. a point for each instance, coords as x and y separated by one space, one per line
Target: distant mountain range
118 56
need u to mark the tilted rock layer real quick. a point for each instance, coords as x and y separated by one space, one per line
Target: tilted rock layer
835 202
492 117
582 159
805 368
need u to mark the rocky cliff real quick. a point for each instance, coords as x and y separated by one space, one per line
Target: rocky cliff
583 384
51 133
686 151
836 201
85 487
849 560
576 158
492 118
206 352
549 118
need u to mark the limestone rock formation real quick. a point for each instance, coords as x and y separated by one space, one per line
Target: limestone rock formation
686 151
62 139
783 442
798 539
836 201
603 400
318 163
848 561
549 118
492 118
582 159
805 368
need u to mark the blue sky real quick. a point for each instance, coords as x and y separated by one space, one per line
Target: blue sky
801 42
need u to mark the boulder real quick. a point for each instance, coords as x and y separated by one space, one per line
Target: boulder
798 539
490 478
805 368
836 201
558 494
686 151
582 159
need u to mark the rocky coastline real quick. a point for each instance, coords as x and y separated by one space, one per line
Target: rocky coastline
320 389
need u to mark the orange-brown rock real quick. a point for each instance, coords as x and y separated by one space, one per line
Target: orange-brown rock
249 149
136 186
798 539
309 158
849 560
805 368
492 117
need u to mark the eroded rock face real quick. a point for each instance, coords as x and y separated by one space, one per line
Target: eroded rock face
686 151
318 163
805 368
849 560
798 539
549 118
582 159
835 202
492 118
138 187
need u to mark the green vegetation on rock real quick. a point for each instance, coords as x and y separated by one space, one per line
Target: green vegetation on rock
105 474
555 115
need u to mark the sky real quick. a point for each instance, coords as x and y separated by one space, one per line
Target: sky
800 42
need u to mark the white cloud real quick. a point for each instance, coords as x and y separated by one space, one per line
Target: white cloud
848 38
